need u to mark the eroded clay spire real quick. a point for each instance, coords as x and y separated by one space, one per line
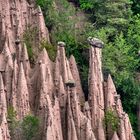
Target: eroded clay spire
44 59
3 113
2 33
63 61
41 103
71 129
57 72
115 136
110 93
13 100
110 102
8 72
43 32
3 108
23 107
75 74
25 59
96 95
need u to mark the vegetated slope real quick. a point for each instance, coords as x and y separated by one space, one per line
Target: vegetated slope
119 27
46 101
68 23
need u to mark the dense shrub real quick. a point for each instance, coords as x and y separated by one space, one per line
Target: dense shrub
50 49
29 37
30 126
111 120
27 128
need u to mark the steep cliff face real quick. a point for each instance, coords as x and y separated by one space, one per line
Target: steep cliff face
52 90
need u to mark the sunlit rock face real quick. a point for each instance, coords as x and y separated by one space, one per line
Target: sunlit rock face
49 90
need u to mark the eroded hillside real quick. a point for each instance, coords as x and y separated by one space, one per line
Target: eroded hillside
50 93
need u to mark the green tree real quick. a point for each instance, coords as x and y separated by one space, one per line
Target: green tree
30 126
104 13
50 49
47 7
136 6
86 5
111 119
12 122
133 37
29 38
113 12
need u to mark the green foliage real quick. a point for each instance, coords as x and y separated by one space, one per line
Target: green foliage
49 11
12 122
111 120
44 3
30 126
86 4
130 95
118 59
131 91
109 14
11 113
133 37
63 27
113 16
136 6
29 37
65 23
50 49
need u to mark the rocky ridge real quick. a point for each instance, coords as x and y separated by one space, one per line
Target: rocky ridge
52 90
